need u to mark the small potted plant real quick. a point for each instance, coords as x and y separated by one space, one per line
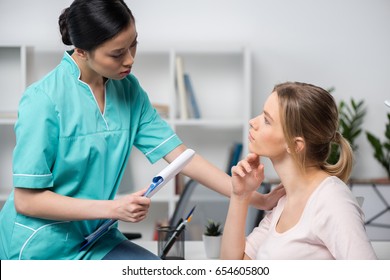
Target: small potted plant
212 238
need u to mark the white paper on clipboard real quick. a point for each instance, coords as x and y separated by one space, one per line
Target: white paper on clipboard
170 172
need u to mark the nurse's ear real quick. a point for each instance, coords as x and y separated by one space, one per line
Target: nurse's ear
82 54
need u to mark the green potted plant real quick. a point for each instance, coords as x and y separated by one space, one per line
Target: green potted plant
212 238
382 149
351 117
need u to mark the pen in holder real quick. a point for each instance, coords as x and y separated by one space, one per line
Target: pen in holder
171 243
171 240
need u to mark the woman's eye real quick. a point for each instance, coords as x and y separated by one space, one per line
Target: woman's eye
116 55
266 121
133 45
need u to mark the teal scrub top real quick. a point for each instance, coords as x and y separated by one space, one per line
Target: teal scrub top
64 143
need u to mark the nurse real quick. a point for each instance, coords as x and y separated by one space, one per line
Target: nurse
75 131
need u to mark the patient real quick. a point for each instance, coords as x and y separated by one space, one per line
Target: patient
319 217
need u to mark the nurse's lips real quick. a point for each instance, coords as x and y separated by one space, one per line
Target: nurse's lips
127 72
250 138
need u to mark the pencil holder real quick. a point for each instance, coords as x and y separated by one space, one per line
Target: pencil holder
170 243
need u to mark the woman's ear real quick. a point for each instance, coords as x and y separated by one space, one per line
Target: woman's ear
81 53
299 144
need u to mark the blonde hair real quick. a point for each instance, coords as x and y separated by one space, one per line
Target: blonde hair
310 112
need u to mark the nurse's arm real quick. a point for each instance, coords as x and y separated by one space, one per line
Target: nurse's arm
46 204
214 178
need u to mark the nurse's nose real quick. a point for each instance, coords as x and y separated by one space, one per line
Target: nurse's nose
129 59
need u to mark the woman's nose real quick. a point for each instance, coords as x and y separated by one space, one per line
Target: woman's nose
129 59
252 122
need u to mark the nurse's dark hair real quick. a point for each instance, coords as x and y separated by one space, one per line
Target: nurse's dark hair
86 24
310 112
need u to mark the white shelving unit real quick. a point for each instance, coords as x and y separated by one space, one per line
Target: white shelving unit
12 77
12 83
221 79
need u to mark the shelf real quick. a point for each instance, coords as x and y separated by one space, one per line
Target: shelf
12 76
8 118
3 197
7 144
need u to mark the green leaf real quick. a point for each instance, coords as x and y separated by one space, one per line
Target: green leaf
351 117
213 228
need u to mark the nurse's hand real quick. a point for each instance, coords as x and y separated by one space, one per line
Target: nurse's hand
132 208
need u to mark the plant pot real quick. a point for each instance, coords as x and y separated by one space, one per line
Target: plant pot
212 246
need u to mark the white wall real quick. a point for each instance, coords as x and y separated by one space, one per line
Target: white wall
340 43
345 44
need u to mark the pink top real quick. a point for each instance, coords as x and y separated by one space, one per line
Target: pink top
331 227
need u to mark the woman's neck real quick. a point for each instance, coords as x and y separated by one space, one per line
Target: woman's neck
87 75
94 80
299 182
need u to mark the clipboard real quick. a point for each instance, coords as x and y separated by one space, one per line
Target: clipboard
158 182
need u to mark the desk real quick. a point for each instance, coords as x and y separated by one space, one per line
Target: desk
386 204
382 249
194 250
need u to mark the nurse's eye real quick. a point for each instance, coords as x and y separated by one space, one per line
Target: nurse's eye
116 55
134 44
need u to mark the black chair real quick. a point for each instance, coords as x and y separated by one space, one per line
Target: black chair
182 204
132 235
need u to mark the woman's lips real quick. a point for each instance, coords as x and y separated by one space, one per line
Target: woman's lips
127 72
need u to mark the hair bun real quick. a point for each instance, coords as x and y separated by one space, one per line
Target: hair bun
62 22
